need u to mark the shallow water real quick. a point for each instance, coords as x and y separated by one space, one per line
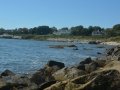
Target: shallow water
27 56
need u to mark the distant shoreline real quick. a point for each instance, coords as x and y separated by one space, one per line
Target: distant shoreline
75 39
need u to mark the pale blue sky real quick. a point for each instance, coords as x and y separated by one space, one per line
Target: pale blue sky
59 13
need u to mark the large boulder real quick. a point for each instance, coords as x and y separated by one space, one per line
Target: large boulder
68 73
41 76
105 78
81 65
52 63
45 74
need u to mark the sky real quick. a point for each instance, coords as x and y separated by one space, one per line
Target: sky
59 13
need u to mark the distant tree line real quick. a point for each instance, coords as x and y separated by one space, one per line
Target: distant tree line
80 30
77 30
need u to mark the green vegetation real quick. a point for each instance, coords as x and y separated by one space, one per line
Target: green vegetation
77 32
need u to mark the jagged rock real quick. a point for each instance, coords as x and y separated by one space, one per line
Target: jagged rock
7 73
104 80
113 53
45 74
81 65
68 73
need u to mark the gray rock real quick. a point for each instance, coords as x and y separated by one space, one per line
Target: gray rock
91 67
86 61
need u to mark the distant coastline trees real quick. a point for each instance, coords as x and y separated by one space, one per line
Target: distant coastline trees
76 31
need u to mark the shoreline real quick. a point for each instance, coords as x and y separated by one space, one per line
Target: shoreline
88 74
83 41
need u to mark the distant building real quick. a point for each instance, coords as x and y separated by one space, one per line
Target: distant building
62 32
97 33
5 35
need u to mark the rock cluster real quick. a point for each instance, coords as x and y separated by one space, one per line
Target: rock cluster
89 74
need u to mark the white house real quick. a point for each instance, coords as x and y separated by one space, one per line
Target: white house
62 32
97 33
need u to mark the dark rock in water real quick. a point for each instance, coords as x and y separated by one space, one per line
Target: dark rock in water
46 84
7 73
99 53
52 63
76 48
86 61
57 46
71 46
94 42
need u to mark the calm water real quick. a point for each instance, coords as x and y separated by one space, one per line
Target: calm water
26 56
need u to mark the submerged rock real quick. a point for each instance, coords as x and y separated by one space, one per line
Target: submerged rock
57 46
71 46
75 48
94 42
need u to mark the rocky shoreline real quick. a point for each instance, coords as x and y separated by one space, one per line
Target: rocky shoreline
84 41
100 74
